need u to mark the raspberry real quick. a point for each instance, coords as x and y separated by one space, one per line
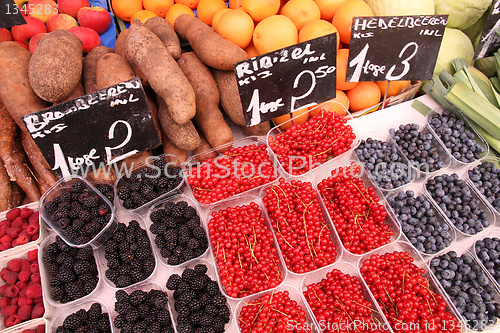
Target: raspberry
38 310
34 268
17 223
2 289
40 329
4 301
33 255
24 312
8 276
25 212
13 231
24 301
24 276
13 213
12 320
6 239
34 219
8 310
15 265
20 240
34 291
32 229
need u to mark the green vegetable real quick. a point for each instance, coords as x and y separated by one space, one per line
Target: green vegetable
403 7
462 13
455 44
486 65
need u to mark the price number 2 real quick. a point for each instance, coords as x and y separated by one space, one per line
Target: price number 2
360 63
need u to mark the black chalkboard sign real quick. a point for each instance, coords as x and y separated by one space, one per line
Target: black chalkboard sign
275 83
10 14
489 42
392 48
94 130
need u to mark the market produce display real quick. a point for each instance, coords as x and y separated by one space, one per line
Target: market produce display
487 252
82 321
486 178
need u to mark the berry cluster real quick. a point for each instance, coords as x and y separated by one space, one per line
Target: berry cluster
486 178
148 183
275 312
355 210
72 271
469 288
385 163
488 252
458 202
244 250
79 213
420 223
129 255
237 170
179 235
419 147
458 139
303 147
93 320
404 294
38 329
301 230
142 311
200 305
107 191
337 301
19 227
21 293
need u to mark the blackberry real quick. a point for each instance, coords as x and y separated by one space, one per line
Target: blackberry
51 206
94 312
188 274
224 313
206 319
193 243
200 269
199 233
195 305
81 267
137 297
212 288
174 260
178 210
170 222
193 223
183 236
57 293
72 322
168 207
91 201
103 323
132 315
107 191
184 328
218 324
66 275
163 317
77 187
189 212
183 310
198 282
123 281
187 254
218 299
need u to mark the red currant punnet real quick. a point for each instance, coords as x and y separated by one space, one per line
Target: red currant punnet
236 171
303 147
244 251
301 230
355 210
405 295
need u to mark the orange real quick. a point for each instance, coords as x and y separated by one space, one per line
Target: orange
176 10
342 20
317 28
363 95
215 19
394 88
299 117
339 104
159 7
251 50
260 9
124 9
237 26
235 4
142 15
342 59
274 33
190 3
301 12
208 8
328 8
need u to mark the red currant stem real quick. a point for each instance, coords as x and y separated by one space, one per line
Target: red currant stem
305 228
320 232
315 294
429 304
250 249
239 259
217 254
244 322
343 309
360 192
284 239
356 218
277 198
404 275
322 128
202 189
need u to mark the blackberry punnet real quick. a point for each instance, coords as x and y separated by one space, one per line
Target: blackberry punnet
486 178
469 288
92 320
488 252
420 223
72 271
107 191
73 213
458 202
198 310
142 311
178 237
457 138
129 255
148 183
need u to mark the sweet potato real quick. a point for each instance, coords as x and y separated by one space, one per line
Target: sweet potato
164 75
23 175
56 65
8 130
112 69
78 92
229 95
161 28
5 189
213 49
204 151
208 117
151 96
121 49
17 194
170 148
90 67
257 130
183 136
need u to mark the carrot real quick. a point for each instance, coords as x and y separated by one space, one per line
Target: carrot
5 189
161 28
208 117
229 95
213 49
90 67
164 75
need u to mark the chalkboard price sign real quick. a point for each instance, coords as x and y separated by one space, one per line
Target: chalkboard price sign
10 14
489 41
392 48
298 76
95 130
